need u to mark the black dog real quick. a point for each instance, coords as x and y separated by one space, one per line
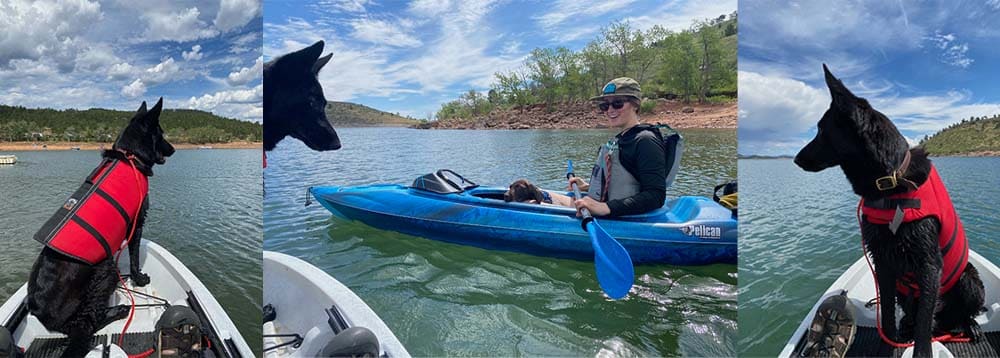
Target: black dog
293 100
69 295
908 255
523 191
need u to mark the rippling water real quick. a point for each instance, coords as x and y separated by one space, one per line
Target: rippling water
798 233
205 207
448 299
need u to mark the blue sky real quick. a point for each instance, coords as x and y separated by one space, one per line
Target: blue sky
115 54
924 64
410 57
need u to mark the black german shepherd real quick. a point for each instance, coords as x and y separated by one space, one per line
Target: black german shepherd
293 100
869 149
71 296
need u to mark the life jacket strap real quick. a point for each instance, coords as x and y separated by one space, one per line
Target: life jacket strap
889 203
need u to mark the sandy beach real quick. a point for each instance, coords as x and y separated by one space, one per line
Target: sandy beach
29 146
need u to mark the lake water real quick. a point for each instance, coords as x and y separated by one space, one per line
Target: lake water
445 299
798 233
205 208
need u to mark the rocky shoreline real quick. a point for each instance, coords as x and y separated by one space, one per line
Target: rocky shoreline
581 115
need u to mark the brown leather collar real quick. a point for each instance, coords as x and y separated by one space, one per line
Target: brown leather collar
893 180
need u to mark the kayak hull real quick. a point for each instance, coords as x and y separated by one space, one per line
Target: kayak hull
686 231
299 292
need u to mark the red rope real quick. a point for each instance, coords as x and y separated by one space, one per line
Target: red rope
128 239
878 299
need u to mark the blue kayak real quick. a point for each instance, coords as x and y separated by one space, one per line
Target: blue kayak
688 230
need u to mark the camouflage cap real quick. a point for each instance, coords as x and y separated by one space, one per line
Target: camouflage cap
621 86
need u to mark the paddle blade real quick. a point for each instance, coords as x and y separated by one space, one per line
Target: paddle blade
613 264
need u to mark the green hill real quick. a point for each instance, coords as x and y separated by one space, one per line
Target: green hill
346 114
970 136
104 125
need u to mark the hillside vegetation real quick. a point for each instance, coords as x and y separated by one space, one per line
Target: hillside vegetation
345 114
694 64
104 125
976 135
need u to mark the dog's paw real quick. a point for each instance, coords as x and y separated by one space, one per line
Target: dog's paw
140 279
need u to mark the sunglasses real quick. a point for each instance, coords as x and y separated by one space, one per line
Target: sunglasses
616 104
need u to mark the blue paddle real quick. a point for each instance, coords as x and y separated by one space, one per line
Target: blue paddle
613 264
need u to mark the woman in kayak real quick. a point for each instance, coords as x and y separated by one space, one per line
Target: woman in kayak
629 177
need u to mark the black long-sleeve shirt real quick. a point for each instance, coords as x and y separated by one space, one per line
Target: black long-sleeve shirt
641 152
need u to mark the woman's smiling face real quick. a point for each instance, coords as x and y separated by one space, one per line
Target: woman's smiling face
619 110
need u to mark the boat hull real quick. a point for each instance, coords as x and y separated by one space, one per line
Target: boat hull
170 281
686 231
860 287
299 292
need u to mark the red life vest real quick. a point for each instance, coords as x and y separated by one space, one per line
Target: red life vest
929 200
93 223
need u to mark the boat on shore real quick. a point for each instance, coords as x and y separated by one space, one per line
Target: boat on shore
171 285
308 313
859 285
8 159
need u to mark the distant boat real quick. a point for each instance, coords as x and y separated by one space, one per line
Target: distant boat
204 147
8 159
74 148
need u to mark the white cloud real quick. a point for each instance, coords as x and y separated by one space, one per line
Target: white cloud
45 29
194 55
244 104
245 75
163 72
121 71
776 113
778 107
236 13
952 53
563 10
211 101
680 16
134 89
383 33
430 8
176 26
95 58
343 5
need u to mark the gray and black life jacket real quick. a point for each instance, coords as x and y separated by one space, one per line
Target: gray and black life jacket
611 180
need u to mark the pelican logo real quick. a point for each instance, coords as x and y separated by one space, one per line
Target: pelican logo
610 88
70 204
703 231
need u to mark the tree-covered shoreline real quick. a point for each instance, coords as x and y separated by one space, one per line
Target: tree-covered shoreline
694 64
19 124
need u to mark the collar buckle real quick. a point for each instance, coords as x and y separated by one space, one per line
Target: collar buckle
887 182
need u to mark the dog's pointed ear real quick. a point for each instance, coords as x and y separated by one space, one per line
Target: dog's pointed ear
842 97
154 114
303 60
320 63
142 109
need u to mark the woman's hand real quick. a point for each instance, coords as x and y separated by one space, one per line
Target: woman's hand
595 207
579 183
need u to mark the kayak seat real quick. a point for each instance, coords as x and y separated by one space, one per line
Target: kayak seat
438 182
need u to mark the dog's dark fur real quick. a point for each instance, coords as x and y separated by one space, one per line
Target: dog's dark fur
523 191
866 145
70 296
293 100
